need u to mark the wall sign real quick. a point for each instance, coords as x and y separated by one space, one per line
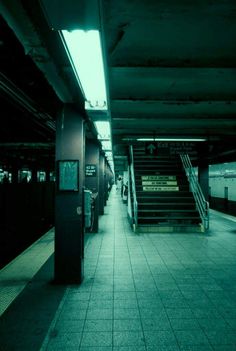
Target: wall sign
90 170
68 175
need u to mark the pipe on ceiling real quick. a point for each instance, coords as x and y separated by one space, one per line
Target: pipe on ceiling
18 20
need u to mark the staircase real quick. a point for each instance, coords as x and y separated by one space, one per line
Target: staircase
165 203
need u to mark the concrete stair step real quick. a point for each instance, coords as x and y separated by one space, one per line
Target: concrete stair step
163 195
144 160
154 166
148 206
143 172
167 215
167 228
177 220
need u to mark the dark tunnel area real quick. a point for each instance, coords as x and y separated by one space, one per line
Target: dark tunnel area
26 212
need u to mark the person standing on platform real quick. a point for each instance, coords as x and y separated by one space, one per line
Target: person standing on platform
118 184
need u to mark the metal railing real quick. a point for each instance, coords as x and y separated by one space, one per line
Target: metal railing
201 203
129 202
135 203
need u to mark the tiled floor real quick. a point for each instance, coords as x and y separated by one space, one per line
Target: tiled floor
147 292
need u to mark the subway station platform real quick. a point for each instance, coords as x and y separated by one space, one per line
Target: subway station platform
141 292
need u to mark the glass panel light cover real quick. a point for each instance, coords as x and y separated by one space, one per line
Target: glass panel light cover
106 145
85 52
103 129
171 139
108 153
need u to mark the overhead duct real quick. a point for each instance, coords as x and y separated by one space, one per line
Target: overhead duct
18 20
21 99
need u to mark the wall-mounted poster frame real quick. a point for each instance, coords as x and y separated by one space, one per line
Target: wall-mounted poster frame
68 175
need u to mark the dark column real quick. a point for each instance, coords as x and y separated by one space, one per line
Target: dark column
47 171
69 230
107 180
92 178
203 178
14 172
106 183
101 183
111 178
34 175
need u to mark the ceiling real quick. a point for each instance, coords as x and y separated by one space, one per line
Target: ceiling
171 71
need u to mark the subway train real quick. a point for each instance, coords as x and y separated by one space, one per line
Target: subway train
28 210
222 187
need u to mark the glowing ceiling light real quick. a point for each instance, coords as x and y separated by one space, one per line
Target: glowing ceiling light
171 139
85 53
103 129
106 145
108 153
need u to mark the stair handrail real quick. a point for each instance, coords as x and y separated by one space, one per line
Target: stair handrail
135 202
201 203
129 204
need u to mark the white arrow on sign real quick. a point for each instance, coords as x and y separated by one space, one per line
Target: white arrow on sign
151 148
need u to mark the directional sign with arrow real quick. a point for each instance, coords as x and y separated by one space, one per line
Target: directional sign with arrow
151 149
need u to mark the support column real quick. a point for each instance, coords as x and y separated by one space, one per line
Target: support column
101 183
34 175
106 183
69 229
203 179
14 172
47 171
92 178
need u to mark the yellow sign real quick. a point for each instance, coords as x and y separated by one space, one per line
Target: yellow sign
160 188
156 177
167 182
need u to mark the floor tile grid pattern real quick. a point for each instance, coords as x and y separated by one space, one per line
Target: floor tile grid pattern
205 295
68 326
150 292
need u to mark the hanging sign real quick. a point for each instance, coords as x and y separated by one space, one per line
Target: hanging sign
151 149
151 177
160 188
158 182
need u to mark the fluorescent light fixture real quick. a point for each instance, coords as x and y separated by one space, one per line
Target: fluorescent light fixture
85 53
171 139
103 129
106 145
108 153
